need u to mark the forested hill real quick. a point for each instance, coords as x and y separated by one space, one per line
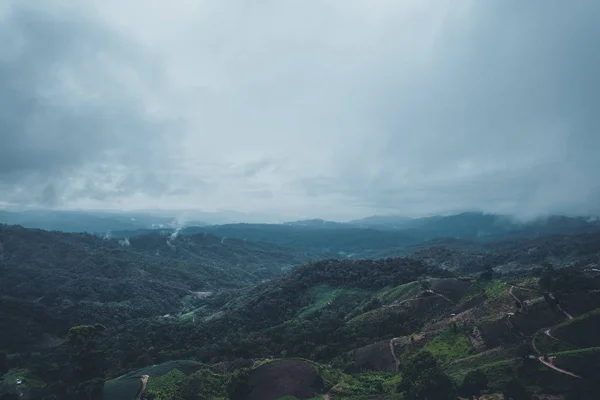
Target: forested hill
79 278
465 257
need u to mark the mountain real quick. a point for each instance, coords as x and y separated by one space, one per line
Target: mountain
167 315
482 226
354 240
84 221
383 221
81 278
371 237
345 240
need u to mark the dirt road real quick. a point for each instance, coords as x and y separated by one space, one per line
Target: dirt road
514 296
144 379
541 358
393 352
440 295
562 371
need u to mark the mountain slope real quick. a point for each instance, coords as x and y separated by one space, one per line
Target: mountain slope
81 278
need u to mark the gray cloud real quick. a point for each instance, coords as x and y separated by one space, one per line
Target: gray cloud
333 110
66 113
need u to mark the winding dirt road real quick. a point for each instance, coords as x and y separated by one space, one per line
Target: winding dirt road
546 332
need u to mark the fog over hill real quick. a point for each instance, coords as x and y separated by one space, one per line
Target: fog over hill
287 200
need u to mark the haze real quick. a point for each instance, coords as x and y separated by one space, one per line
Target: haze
332 109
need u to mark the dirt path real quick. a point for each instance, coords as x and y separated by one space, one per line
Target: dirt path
524 288
402 302
393 352
564 312
144 379
514 296
533 344
513 326
441 295
396 304
541 358
549 334
562 371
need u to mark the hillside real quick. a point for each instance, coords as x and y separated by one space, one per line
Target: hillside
81 278
330 329
559 250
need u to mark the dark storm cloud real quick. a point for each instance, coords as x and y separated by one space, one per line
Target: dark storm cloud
503 117
64 104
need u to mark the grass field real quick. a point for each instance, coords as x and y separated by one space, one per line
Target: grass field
322 296
167 386
187 366
449 345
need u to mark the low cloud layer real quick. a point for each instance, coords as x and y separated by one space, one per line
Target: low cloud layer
330 109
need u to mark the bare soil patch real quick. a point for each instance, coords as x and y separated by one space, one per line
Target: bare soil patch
281 378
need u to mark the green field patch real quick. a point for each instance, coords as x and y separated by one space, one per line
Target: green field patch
548 345
451 344
399 292
578 351
167 386
491 288
322 296
28 381
186 366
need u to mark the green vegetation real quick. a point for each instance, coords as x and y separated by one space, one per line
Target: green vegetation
451 344
398 292
167 386
175 384
80 311
473 384
422 378
490 288
581 331
322 296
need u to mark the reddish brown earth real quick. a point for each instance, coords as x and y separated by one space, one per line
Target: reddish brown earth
376 357
281 378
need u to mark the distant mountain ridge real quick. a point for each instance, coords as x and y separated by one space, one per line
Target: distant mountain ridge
370 237
379 236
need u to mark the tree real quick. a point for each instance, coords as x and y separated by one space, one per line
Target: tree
422 378
474 383
515 390
3 364
87 363
487 274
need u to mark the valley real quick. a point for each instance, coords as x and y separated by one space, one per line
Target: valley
200 316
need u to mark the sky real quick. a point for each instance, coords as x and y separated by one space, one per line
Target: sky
330 109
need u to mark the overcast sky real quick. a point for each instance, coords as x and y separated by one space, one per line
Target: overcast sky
333 109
